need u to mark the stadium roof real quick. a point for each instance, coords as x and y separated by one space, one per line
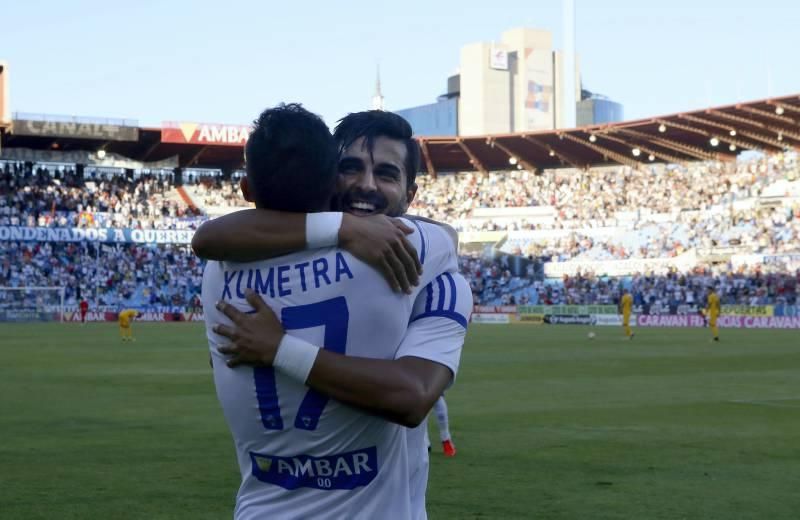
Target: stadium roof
720 133
770 125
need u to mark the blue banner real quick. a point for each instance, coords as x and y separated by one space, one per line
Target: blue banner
108 235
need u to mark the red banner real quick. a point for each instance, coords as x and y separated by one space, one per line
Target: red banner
204 133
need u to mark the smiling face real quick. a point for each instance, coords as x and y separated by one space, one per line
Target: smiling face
374 182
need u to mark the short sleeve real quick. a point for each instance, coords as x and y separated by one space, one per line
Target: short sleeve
439 321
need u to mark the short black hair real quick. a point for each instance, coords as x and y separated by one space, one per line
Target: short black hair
372 124
291 160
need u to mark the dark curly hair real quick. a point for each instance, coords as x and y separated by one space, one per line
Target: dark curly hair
372 124
291 160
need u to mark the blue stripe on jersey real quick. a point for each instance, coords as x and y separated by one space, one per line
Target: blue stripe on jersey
429 300
452 291
422 240
461 320
440 283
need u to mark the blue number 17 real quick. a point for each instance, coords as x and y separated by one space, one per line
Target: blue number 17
334 316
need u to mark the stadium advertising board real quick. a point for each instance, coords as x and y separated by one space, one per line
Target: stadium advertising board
747 310
494 314
607 320
728 322
72 316
567 309
491 318
785 309
733 310
75 316
25 315
568 319
113 235
495 309
85 130
531 319
668 308
204 133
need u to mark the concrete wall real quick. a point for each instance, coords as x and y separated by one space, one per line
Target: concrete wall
484 101
522 98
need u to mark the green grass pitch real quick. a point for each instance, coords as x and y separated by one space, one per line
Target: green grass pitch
548 425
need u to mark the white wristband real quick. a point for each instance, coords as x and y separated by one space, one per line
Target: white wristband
322 229
295 357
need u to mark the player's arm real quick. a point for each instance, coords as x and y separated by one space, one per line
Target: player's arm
402 390
259 234
425 365
377 240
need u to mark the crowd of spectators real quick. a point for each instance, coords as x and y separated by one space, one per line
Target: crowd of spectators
166 276
493 283
744 286
41 196
214 191
767 230
708 204
594 197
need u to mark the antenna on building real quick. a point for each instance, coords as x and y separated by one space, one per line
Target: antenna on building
377 99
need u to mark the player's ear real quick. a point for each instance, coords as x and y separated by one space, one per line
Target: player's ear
245 189
411 192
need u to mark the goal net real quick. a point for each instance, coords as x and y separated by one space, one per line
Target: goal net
31 304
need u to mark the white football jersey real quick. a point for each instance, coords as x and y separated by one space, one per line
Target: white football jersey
436 332
301 454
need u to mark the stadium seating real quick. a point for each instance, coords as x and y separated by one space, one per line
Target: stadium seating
604 214
56 197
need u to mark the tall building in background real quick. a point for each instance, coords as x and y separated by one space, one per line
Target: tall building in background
514 85
438 119
596 109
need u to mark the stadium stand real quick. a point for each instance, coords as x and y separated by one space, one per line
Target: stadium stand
592 216
666 207
166 278
44 197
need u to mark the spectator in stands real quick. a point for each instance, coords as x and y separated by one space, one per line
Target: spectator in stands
614 213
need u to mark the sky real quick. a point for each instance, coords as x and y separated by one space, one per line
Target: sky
224 62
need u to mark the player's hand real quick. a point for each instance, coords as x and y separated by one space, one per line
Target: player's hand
254 337
381 242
